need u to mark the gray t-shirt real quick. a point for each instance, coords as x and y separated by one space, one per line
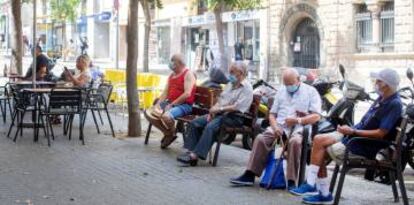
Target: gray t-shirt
242 96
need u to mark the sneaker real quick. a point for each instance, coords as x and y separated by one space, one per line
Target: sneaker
304 190
318 199
242 180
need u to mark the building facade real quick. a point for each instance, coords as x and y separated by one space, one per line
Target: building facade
362 35
188 27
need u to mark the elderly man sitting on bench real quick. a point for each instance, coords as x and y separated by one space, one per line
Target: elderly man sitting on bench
237 96
175 101
379 122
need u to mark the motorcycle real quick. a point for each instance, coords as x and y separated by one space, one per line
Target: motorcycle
407 97
342 112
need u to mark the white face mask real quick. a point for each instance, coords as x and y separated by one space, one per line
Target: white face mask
378 90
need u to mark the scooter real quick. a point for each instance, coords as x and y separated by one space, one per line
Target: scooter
407 97
342 113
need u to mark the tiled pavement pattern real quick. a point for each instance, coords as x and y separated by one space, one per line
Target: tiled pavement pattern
116 171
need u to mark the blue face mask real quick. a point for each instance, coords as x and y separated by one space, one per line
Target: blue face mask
232 79
292 88
171 66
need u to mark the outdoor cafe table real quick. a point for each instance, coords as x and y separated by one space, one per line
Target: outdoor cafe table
15 77
29 84
37 93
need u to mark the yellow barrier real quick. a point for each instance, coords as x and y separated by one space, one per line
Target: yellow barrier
148 84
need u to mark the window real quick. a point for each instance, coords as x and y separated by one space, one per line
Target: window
163 44
363 28
387 26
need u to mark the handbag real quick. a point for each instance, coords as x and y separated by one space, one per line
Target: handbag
273 176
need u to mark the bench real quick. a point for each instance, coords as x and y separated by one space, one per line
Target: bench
249 130
205 98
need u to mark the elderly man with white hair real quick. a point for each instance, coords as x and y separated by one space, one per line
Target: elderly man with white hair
296 104
175 101
379 123
237 96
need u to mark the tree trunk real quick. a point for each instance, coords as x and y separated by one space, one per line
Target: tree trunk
134 120
17 51
147 14
64 44
220 36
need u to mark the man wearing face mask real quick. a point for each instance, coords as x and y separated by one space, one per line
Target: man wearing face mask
175 101
379 123
237 96
296 104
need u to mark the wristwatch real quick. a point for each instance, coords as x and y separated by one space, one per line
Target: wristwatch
300 121
221 109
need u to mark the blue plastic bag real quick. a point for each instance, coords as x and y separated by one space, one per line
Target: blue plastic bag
273 176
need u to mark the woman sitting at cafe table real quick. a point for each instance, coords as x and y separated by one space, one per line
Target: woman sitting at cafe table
82 76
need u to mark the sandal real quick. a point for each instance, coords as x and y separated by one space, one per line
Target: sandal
167 140
187 159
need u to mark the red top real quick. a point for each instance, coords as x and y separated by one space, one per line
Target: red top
176 88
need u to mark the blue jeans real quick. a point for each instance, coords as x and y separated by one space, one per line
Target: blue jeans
177 110
203 134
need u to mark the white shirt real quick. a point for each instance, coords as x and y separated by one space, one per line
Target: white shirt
305 100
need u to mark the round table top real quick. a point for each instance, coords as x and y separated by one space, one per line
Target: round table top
26 82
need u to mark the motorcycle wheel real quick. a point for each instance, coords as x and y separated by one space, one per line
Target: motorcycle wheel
248 141
229 138
411 159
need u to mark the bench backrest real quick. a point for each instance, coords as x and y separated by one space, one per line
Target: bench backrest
205 98
254 107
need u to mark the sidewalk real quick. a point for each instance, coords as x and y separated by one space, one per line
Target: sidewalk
114 171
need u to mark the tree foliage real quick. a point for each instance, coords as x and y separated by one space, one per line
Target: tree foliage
64 10
234 4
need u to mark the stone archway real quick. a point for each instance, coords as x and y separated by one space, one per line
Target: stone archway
306 45
291 20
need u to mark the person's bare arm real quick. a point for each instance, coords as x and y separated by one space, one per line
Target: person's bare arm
273 124
189 83
310 119
81 81
163 95
376 134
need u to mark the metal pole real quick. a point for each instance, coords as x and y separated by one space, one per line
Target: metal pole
34 45
117 41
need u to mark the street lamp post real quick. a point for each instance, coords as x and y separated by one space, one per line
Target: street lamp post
34 45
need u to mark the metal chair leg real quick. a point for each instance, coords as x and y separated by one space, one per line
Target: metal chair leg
12 123
340 185
20 127
334 177
394 186
95 121
81 124
100 117
402 187
216 153
148 133
110 122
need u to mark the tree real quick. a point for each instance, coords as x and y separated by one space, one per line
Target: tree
17 51
147 5
134 119
220 6
63 11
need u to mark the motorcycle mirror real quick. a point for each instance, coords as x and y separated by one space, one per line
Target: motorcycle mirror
410 74
342 70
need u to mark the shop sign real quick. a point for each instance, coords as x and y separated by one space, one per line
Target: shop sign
104 16
241 15
208 18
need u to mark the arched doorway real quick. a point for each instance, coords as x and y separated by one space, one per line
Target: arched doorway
306 44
